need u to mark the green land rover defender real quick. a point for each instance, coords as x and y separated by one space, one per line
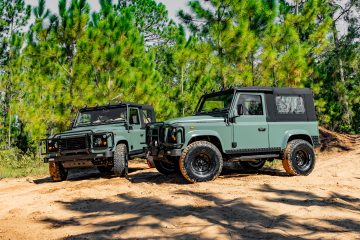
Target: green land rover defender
250 125
102 136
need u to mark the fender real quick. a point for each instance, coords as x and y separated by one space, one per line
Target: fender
119 138
293 132
199 133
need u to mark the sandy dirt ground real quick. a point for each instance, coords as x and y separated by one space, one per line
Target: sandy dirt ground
238 205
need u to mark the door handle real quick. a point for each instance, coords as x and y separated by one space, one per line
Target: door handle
262 129
141 135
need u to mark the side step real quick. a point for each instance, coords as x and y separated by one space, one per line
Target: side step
253 157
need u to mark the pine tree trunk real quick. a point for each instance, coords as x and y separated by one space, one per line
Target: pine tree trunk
274 77
252 69
182 89
347 115
9 132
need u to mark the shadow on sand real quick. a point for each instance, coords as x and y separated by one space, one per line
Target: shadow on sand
237 218
85 174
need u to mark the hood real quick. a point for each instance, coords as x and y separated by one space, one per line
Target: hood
96 129
196 119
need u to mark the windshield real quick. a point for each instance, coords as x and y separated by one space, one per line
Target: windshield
215 104
101 116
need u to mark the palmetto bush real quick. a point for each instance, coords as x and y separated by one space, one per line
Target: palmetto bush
15 163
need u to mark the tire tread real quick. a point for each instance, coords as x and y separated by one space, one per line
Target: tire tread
287 161
185 152
120 156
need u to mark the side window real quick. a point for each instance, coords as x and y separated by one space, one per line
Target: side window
134 116
252 104
290 105
146 116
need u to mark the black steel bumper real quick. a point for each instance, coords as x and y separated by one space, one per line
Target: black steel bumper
159 153
91 156
157 136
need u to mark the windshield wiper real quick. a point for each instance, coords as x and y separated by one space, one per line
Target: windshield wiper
214 111
84 124
114 120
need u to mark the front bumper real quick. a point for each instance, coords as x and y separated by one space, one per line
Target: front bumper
162 152
91 156
157 140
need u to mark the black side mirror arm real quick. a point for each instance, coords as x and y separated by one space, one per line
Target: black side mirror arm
128 126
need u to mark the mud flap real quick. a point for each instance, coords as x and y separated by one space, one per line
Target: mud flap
150 160
54 171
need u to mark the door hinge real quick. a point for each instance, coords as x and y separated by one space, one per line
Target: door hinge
234 144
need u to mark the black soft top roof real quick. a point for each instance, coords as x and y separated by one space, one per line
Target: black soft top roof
268 90
270 94
275 90
121 104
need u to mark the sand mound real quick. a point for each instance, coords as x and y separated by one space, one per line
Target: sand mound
331 141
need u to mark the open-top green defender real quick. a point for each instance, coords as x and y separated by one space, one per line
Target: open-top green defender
251 125
103 136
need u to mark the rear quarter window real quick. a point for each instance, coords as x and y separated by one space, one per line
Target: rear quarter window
146 116
290 105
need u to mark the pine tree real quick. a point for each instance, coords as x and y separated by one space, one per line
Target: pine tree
72 61
150 18
14 16
50 81
233 31
294 41
337 80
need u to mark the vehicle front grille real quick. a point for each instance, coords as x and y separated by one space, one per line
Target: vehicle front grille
76 143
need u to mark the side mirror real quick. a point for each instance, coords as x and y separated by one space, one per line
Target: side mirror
240 109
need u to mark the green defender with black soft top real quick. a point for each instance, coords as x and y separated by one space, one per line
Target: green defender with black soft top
102 136
250 125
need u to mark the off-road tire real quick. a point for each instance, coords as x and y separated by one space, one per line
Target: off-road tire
206 167
105 169
253 166
294 151
57 172
120 160
165 167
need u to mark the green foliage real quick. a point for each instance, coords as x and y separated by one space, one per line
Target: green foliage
14 15
337 79
151 19
14 163
260 42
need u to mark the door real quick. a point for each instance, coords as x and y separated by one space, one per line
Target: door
137 134
251 131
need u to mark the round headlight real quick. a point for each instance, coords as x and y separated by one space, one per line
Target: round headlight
53 146
100 141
